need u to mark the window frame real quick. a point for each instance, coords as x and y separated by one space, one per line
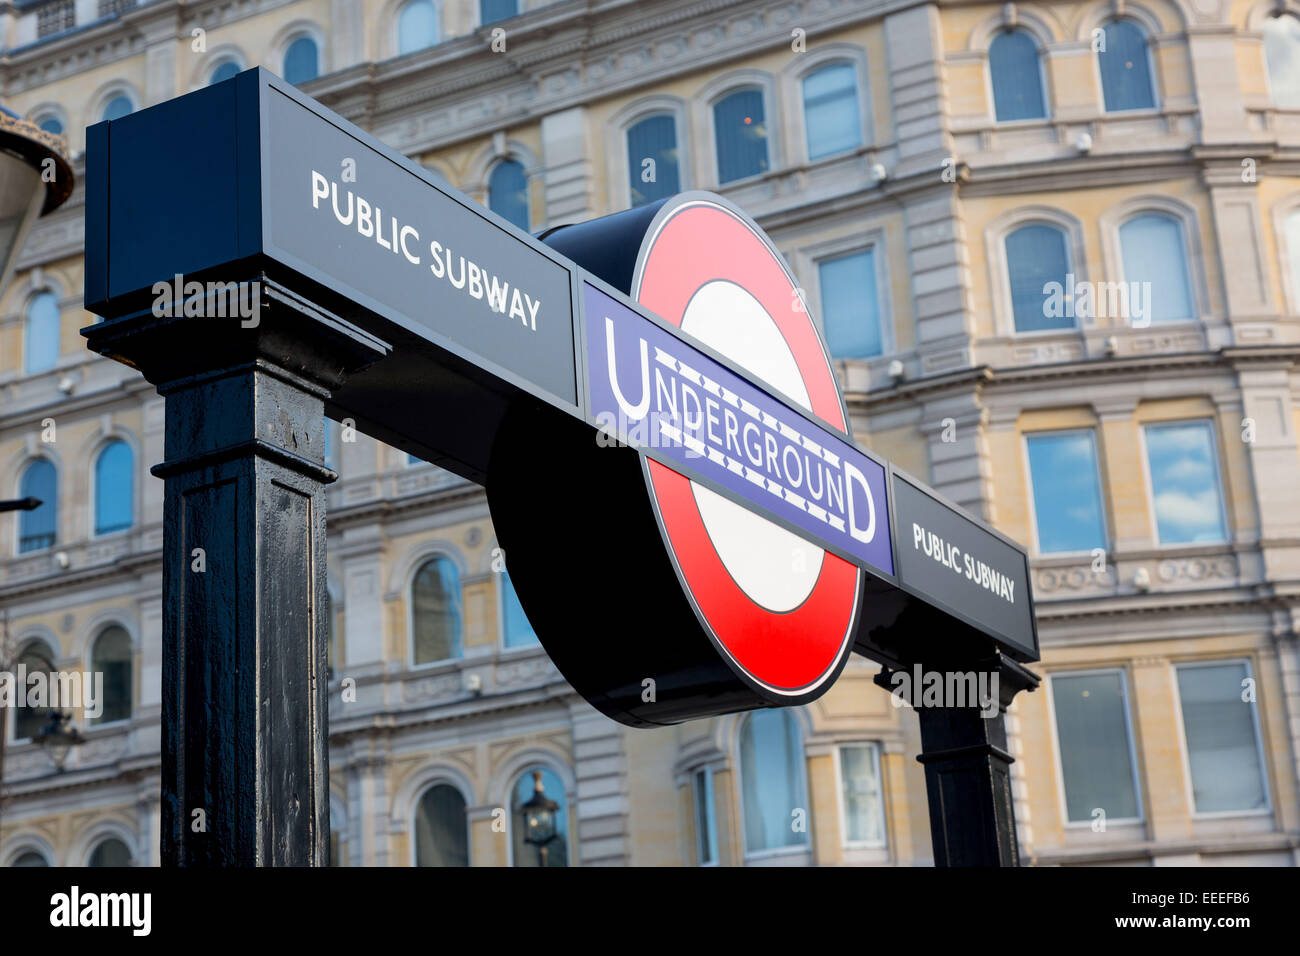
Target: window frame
837 56
11 713
736 83
1188 219
804 849
808 261
100 629
501 617
416 565
93 482
1063 803
301 33
1185 750
395 30
26 321
1040 54
1274 13
842 810
706 773
438 780
27 463
1102 498
1071 254
1149 35
1217 447
496 163
523 765
620 193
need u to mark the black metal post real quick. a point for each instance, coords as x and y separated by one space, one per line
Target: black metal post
968 771
244 718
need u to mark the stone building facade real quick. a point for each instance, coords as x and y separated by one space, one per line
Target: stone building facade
928 169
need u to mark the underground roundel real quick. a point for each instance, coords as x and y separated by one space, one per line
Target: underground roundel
781 609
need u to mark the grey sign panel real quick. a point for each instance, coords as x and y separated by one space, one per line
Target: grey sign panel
404 248
963 568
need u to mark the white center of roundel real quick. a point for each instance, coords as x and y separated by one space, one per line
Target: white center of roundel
774 567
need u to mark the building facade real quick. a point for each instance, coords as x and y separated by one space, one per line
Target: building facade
1055 252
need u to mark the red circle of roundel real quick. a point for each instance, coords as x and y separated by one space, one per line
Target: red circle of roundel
788 652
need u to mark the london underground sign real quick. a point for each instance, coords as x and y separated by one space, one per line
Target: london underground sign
646 398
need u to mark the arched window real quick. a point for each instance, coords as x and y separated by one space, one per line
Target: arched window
36 658
225 70
652 159
114 488
1017 77
441 828
740 132
1125 67
417 26
301 61
518 632
111 656
110 852
30 858
41 333
38 528
435 611
490 11
508 192
544 783
1154 252
118 107
772 780
1037 256
50 123
832 122
1282 54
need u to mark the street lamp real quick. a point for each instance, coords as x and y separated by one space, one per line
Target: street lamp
30 158
539 818
58 737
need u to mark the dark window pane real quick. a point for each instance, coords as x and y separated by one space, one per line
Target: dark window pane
1125 68
851 305
38 528
1017 79
490 11
1096 751
436 611
118 107
114 488
301 61
111 852
740 130
28 721
441 828
652 159
1036 257
508 193
224 71
112 658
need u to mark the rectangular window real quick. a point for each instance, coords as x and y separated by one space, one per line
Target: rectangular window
1185 488
862 797
1096 747
1066 487
851 305
706 833
1222 732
